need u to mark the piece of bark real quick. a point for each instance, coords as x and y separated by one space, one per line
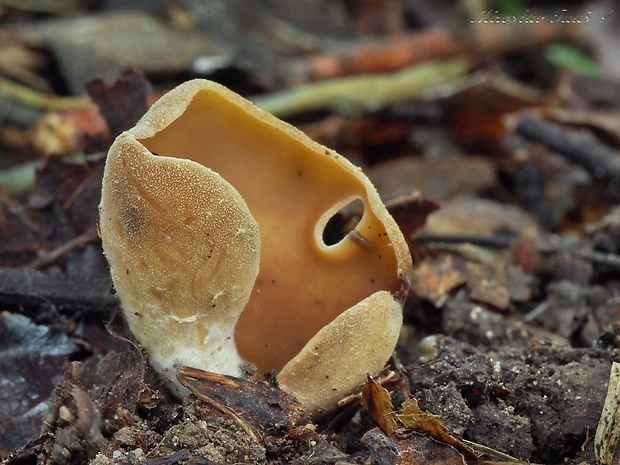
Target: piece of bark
261 408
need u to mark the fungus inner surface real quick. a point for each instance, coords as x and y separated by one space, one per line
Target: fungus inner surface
292 187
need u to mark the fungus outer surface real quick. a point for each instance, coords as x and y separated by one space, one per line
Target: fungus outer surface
183 273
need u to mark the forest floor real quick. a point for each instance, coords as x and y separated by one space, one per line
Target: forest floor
492 134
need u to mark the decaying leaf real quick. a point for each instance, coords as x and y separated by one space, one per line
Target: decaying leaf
472 216
477 108
376 400
439 179
434 279
31 361
412 417
122 103
410 210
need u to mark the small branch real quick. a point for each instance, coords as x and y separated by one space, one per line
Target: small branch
53 255
33 98
505 241
363 91
24 288
578 146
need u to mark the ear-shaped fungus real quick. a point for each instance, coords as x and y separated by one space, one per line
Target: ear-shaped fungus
212 219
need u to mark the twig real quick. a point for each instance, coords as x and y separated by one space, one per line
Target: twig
504 241
51 256
406 49
492 452
33 98
363 91
580 147
396 52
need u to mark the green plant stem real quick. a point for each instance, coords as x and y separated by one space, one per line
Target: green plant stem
33 98
363 92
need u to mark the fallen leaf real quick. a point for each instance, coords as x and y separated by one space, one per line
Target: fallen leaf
123 103
32 358
410 210
475 111
378 403
413 418
478 217
439 179
434 278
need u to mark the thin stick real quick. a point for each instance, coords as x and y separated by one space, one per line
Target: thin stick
34 98
504 241
370 91
53 255
578 146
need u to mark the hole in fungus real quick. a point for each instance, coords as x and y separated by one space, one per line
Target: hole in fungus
341 222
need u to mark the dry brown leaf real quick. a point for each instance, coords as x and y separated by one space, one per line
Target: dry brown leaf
476 110
378 403
412 417
433 279
440 179
478 217
486 287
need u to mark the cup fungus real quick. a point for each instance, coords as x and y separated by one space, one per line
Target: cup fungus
212 218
